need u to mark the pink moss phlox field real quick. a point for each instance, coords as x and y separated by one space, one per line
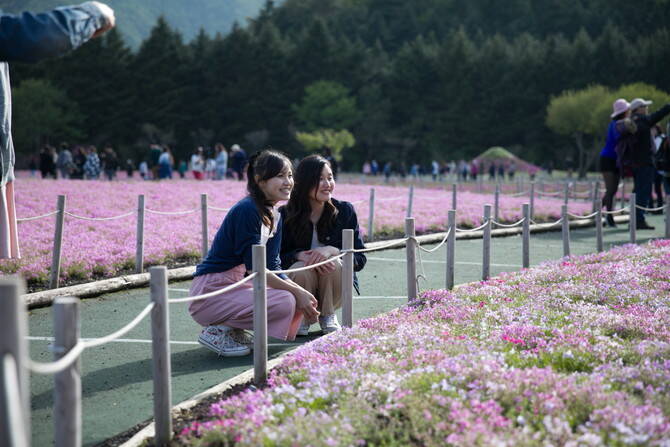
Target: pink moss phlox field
105 248
574 353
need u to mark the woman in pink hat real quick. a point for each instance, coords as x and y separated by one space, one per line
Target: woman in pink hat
608 157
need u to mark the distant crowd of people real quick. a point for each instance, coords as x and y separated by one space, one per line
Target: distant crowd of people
463 170
78 162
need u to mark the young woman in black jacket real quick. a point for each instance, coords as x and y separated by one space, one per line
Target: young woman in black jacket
313 223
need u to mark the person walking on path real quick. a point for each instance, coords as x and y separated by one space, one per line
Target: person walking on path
30 38
642 155
253 220
64 161
313 224
608 157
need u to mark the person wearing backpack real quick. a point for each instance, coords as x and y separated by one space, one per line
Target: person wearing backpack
642 155
608 157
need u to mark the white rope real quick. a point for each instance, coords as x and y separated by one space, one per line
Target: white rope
26 219
309 267
214 293
99 218
551 194
517 223
431 250
660 208
381 247
74 353
619 211
358 201
546 224
585 194
518 194
217 209
13 407
471 230
588 216
171 213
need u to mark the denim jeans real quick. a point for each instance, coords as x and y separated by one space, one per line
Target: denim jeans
643 179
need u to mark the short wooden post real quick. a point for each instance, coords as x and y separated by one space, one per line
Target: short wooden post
451 247
454 196
532 199
599 229
348 278
58 243
260 315
525 236
139 245
410 201
667 217
541 185
622 197
566 193
411 259
480 183
13 342
632 222
496 203
67 383
565 221
160 347
597 203
371 216
205 229
486 239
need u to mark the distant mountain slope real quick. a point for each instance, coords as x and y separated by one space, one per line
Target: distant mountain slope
137 17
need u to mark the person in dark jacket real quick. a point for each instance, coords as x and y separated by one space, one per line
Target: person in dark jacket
313 224
643 155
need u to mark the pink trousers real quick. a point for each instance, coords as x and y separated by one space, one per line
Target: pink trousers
236 307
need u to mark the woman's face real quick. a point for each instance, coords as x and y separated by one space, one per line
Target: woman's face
279 187
324 190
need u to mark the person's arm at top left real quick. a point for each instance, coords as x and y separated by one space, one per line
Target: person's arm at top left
30 37
659 114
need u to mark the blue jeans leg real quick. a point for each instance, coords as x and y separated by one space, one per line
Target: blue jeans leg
643 179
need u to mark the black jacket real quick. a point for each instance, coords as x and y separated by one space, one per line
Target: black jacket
346 219
644 146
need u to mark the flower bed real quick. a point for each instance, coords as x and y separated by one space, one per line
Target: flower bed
106 248
575 352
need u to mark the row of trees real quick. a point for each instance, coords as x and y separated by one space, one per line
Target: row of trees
404 88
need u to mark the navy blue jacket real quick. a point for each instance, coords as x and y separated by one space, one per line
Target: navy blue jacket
240 230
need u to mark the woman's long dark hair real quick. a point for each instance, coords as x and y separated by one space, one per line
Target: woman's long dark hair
298 210
264 164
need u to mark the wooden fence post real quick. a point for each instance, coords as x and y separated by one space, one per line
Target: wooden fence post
67 383
486 239
139 245
566 193
260 315
532 199
13 342
597 204
496 203
525 236
160 347
599 229
348 279
411 259
205 229
451 247
454 196
58 243
632 222
410 201
565 230
371 216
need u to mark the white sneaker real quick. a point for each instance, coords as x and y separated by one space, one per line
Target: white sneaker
219 340
304 328
329 324
242 337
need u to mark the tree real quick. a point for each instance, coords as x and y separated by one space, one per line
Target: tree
326 105
336 141
571 113
42 114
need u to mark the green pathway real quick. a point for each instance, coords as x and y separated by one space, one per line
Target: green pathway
117 386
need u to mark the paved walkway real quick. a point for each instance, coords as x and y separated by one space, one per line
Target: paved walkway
117 386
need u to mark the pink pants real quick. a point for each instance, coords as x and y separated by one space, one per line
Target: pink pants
236 307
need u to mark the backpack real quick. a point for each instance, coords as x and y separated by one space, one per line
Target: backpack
662 156
625 146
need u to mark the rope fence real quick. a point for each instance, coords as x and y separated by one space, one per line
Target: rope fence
69 345
28 219
99 218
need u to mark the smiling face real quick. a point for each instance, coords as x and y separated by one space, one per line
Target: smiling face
279 187
323 191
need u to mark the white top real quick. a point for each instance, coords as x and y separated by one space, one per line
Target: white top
265 230
315 240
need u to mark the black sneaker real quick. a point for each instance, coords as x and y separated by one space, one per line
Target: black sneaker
644 226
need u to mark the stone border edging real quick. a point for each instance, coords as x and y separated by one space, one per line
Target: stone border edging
45 298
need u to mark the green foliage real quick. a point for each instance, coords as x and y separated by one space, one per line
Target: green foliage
336 141
571 112
42 114
326 105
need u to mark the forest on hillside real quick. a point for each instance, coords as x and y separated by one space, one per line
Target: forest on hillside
412 81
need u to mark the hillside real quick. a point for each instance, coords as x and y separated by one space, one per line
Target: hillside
136 18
